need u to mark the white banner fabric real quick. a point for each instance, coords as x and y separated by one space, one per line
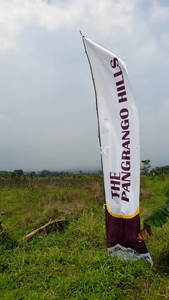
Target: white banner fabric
119 131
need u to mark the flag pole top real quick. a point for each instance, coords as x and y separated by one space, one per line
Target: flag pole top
81 34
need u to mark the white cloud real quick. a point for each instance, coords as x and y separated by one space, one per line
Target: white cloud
165 41
164 110
103 15
4 119
148 50
46 87
109 16
159 12
154 133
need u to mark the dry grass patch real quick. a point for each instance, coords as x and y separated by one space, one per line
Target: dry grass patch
145 194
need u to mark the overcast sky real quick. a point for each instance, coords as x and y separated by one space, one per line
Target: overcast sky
47 111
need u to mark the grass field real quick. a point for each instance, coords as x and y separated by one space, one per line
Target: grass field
70 261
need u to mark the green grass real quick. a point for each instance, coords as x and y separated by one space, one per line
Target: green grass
72 262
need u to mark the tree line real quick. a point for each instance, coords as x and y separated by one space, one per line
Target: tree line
157 171
145 170
45 173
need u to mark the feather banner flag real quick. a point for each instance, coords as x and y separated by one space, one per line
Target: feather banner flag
120 151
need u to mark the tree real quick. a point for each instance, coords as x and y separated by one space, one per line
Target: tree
45 173
160 170
18 172
145 169
33 173
99 172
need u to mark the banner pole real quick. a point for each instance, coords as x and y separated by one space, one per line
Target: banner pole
98 127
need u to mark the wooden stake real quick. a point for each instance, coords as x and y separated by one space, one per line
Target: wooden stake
42 228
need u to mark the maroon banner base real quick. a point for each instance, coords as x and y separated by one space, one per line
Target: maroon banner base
124 232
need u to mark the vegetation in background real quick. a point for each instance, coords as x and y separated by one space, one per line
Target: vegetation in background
145 168
70 261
